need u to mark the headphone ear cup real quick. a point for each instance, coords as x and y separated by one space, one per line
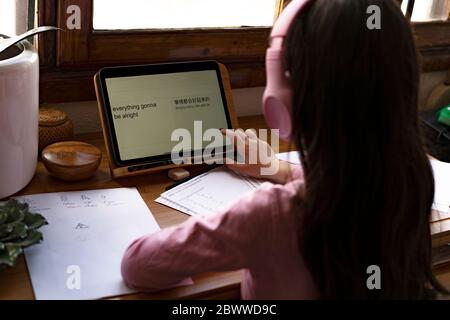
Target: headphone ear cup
277 96
278 116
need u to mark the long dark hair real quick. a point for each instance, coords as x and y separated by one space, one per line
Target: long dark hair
369 185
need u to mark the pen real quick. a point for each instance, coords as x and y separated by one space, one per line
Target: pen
209 168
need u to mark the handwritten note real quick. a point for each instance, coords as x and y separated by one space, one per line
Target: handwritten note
214 190
85 240
209 192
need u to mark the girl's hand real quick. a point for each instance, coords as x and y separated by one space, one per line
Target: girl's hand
259 160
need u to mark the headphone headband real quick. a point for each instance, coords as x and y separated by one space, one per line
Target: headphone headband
284 22
277 101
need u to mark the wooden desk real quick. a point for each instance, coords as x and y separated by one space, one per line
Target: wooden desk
15 283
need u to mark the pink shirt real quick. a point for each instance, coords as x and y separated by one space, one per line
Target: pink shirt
257 234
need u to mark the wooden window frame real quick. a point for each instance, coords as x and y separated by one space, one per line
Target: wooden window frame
70 59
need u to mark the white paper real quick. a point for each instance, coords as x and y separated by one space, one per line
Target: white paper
209 192
85 240
175 206
292 157
214 190
441 172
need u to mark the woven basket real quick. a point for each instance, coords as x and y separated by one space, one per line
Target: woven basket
54 126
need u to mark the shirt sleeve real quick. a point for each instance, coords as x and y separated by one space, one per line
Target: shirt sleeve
296 172
230 240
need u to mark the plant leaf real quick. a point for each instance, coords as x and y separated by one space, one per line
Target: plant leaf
34 220
23 206
33 237
3 217
8 256
5 230
15 215
19 231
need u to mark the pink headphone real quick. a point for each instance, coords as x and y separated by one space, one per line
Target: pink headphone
277 101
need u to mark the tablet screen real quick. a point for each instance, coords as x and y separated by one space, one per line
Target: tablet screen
147 109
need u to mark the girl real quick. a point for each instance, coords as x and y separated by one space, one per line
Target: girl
362 196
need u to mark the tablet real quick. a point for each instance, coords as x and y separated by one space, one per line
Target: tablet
142 106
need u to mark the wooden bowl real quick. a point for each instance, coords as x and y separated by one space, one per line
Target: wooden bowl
71 160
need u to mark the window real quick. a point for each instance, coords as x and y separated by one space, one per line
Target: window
234 32
182 14
431 24
128 31
427 10
16 17
122 32
8 17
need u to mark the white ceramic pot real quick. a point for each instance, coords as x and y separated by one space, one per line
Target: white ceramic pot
19 117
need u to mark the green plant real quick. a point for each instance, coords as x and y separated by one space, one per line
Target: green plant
18 230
